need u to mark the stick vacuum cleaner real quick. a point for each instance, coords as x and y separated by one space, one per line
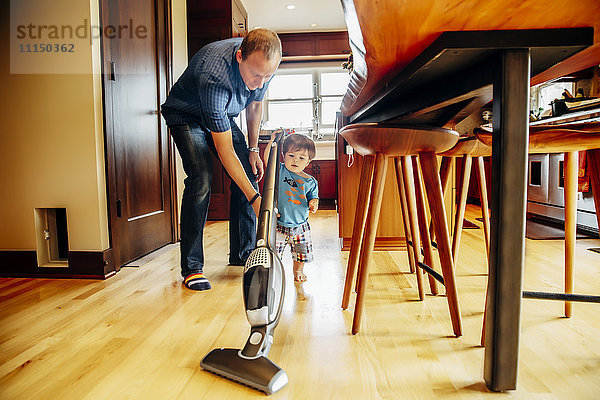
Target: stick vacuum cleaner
264 290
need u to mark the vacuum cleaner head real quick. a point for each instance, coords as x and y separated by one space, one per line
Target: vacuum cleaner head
263 295
259 373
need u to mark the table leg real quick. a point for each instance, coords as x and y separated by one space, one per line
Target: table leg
509 166
570 170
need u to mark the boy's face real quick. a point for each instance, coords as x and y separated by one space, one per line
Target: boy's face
296 160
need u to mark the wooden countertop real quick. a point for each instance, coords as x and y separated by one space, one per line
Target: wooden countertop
386 38
579 116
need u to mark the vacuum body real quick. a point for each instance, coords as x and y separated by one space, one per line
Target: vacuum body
264 291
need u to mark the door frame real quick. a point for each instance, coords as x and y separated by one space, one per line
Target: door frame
164 47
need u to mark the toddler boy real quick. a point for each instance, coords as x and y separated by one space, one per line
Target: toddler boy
298 193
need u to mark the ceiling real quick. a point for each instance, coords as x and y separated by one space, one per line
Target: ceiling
273 14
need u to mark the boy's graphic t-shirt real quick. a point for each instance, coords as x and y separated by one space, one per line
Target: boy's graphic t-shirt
294 193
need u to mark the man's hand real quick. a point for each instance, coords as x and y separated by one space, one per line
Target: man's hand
313 205
257 165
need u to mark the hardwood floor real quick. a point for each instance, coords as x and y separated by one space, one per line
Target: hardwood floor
141 335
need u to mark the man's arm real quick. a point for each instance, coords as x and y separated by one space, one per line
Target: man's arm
268 149
253 117
227 155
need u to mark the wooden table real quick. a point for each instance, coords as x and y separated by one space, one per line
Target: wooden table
410 67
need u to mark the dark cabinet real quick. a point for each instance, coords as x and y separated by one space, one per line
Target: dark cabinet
324 171
207 22
315 44
212 20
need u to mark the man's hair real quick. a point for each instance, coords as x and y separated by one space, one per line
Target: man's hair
264 40
297 141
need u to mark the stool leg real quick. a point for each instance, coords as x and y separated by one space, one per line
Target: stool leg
445 179
483 197
485 214
571 166
593 159
445 173
405 215
462 204
360 216
369 237
425 239
438 214
407 172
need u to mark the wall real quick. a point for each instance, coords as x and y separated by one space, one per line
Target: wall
179 64
51 137
52 142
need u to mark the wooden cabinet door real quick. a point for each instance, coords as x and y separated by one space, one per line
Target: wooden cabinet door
327 179
298 45
330 43
312 170
314 44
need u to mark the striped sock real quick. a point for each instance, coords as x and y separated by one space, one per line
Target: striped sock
196 282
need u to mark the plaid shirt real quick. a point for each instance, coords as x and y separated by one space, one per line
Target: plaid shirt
211 91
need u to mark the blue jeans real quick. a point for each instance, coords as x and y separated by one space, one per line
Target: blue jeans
194 145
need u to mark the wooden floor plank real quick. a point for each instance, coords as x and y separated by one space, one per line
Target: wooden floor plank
141 335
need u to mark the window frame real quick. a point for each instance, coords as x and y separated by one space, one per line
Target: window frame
318 129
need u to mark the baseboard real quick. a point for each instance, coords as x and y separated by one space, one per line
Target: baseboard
327 204
560 224
381 244
81 265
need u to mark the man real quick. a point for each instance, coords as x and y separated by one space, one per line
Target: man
221 80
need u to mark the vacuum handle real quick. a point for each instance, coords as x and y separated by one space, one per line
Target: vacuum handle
279 135
267 220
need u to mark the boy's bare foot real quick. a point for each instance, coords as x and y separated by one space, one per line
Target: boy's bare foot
299 276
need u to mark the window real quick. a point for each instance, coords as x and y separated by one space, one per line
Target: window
306 100
542 95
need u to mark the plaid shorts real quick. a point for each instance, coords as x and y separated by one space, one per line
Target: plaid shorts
299 239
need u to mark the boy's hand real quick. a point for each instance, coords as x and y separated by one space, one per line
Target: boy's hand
275 133
313 205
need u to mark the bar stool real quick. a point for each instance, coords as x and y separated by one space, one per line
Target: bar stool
379 142
467 148
410 182
567 139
